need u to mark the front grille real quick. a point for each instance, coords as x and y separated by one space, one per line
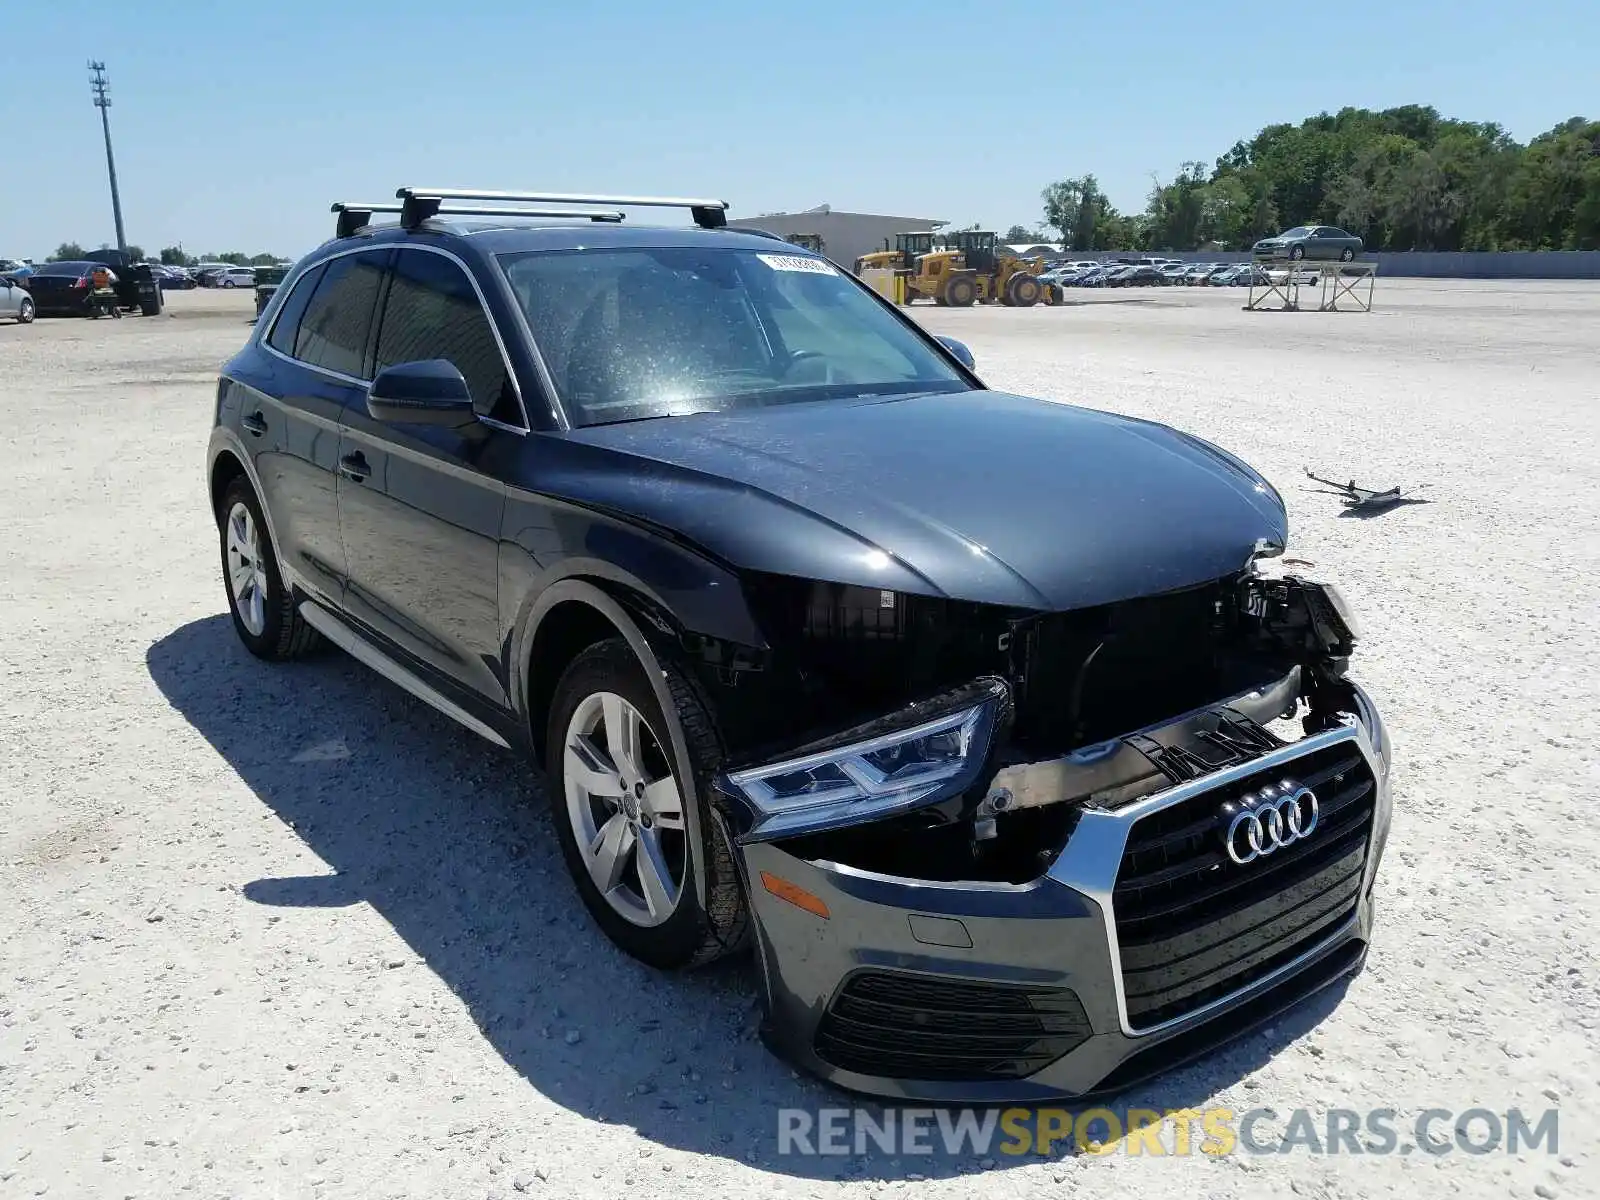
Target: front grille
900 1026
1194 926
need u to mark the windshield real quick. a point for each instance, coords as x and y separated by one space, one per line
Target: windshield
1297 231
630 334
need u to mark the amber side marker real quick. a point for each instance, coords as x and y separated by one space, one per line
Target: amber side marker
794 894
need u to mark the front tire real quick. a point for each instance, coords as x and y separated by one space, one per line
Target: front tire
960 292
263 611
621 817
1297 253
25 312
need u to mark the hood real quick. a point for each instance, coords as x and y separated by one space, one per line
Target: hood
979 496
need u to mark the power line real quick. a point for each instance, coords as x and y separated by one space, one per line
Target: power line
100 88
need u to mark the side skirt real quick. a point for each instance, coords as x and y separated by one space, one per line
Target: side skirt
363 651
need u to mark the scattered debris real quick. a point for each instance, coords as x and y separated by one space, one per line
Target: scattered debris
1367 500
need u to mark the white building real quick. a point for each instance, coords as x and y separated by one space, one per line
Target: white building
846 236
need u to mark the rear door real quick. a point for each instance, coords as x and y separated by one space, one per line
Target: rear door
419 512
320 340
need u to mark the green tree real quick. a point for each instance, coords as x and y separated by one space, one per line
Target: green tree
67 252
173 256
1402 178
1020 235
1081 211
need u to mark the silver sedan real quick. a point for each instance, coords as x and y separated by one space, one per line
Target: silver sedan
15 301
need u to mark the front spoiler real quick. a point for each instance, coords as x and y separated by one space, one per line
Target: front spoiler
1054 932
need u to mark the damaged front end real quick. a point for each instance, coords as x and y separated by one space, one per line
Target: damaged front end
1041 855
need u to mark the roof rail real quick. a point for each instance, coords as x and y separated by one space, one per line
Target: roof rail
421 203
354 217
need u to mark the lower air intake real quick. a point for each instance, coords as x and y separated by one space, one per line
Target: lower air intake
901 1026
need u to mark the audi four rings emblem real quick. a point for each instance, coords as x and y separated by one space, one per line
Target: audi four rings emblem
1270 819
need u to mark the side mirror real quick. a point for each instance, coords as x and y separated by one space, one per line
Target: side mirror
427 392
959 349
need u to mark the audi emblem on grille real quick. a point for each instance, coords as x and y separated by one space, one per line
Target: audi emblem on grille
1268 820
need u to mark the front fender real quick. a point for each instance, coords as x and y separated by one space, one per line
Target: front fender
593 595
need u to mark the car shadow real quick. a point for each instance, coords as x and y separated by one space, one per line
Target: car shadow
445 837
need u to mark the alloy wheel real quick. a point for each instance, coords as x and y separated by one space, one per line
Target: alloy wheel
247 573
625 809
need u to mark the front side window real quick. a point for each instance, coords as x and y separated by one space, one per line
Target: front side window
630 334
432 311
333 330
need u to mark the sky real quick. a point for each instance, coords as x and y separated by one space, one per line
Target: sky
236 124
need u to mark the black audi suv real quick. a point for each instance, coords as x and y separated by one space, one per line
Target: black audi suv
1002 729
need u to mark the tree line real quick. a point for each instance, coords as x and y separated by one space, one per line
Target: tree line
171 256
1402 179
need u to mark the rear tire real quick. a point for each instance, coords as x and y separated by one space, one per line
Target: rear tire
1347 254
651 912
264 613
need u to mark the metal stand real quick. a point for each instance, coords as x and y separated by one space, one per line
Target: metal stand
1335 281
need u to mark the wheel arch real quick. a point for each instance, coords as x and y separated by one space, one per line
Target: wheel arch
228 460
569 616
225 468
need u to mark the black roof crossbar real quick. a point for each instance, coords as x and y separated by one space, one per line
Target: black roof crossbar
355 217
420 203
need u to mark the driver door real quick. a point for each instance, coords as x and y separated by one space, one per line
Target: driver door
419 512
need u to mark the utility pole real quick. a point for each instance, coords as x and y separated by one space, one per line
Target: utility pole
101 89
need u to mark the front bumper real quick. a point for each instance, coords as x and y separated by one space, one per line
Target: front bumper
868 997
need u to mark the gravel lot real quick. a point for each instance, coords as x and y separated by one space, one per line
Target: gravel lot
285 932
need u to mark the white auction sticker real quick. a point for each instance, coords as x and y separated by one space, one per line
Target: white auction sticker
796 262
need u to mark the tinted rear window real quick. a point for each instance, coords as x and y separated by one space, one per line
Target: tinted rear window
70 269
334 328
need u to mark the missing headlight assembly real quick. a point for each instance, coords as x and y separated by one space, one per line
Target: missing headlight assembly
983 715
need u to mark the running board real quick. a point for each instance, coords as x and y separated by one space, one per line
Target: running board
363 651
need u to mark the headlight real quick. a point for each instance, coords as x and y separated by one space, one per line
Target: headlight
870 779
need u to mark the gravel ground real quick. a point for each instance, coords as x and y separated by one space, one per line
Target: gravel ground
285 932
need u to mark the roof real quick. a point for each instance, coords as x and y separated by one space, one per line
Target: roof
826 210
501 237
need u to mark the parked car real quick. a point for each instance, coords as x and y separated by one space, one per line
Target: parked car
973 742
16 301
1172 273
175 279
1135 275
1195 273
61 288
1310 241
205 273
234 277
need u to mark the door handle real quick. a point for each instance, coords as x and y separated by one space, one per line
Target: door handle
255 423
354 467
